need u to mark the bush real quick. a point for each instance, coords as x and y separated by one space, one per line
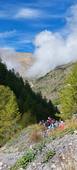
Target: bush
49 155
25 160
27 119
36 136
37 132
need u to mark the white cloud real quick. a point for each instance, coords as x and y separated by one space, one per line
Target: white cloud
28 13
31 13
72 18
25 41
7 34
12 11
53 49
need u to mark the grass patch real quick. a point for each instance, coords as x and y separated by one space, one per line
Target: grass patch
29 156
70 127
38 147
49 155
25 160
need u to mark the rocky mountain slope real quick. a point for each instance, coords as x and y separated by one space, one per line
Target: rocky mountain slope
52 154
52 82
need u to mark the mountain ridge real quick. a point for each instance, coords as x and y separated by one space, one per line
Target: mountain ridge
49 84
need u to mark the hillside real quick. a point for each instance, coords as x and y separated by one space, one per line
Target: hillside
52 82
38 147
28 100
51 153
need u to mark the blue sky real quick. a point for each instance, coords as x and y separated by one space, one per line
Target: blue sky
22 20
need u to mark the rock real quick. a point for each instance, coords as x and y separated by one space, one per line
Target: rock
53 166
1 164
75 131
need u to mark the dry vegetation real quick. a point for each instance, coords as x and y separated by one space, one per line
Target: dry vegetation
38 132
69 127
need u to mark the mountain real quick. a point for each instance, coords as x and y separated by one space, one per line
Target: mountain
28 101
52 82
57 151
36 147
25 59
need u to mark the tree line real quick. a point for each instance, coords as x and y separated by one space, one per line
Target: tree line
27 99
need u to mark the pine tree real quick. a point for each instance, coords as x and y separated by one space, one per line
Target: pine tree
9 113
68 95
27 99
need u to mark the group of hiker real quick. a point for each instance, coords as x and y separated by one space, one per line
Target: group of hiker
51 123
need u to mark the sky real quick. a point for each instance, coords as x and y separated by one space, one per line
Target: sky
22 20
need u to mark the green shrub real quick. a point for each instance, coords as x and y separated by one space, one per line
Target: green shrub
38 147
49 155
27 119
25 160
30 155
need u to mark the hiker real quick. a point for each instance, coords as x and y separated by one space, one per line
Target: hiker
47 124
51 126
56 124
49 120
61 124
